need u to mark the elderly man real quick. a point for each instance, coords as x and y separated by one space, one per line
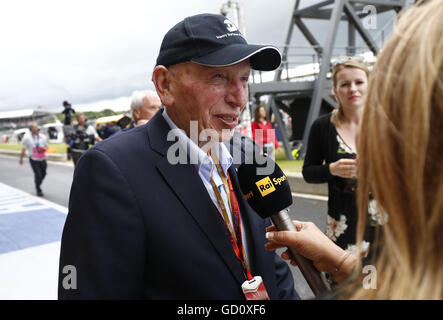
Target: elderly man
144 105
145 222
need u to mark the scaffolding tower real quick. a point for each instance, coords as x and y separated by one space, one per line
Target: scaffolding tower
305 94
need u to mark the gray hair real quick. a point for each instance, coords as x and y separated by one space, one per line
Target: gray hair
138 96
33 123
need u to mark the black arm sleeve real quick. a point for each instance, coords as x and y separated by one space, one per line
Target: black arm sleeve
103 237
314 169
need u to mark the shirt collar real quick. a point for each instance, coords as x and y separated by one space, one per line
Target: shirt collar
205 164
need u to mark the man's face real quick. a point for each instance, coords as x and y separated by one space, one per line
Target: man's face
149 108
213 96
81 119
34 129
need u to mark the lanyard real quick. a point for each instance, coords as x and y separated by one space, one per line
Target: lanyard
235 235
36 140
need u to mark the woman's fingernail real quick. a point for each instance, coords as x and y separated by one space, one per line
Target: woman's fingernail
269 235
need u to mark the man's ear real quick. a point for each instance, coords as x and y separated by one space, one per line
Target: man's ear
162 81
135 114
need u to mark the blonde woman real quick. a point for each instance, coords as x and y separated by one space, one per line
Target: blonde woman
331 154
401 164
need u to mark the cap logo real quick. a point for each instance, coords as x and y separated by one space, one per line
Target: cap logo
213 40
230 26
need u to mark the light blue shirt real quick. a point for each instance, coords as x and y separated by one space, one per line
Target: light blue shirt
207 169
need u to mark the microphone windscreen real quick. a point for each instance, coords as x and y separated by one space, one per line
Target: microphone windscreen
267 191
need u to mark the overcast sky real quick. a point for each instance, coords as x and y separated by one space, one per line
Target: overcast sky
87 51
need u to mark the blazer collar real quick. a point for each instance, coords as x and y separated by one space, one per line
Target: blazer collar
158 130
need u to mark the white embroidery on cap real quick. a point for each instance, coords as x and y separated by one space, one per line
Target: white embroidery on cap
230 26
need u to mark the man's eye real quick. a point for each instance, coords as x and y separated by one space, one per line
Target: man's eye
219 76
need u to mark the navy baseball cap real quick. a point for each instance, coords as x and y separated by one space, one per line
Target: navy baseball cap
213 40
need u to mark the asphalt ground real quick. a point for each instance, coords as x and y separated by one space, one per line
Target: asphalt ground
31 227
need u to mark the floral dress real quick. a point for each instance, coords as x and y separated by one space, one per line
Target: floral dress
337 227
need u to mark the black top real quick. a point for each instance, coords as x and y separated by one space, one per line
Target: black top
325 146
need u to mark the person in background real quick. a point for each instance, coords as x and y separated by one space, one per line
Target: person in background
401 165
108 130
263 133
274 125
331 155
144 105
84 136
68 111
35 144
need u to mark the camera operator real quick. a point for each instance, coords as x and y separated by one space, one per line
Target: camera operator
68 112
83 136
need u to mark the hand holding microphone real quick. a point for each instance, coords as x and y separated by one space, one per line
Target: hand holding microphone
269 194
313 244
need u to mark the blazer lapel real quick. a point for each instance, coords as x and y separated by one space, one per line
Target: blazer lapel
196 200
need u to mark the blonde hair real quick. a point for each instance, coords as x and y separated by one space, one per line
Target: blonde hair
401 159
338 116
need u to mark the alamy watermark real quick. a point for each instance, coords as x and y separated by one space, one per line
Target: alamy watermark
70 280
242 150
370 20
369 281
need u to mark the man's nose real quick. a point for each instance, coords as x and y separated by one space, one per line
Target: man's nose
238 92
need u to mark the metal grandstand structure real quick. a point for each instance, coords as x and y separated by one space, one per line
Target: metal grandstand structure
301 86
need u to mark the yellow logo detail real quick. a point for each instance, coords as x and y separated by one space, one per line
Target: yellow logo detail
265 186
278 181
249 195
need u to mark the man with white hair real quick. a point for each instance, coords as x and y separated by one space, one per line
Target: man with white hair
144 105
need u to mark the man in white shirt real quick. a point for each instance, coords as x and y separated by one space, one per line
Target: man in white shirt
35 144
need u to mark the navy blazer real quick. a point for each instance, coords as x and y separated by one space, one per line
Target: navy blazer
139 227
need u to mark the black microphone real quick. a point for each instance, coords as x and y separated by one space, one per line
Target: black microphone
267 190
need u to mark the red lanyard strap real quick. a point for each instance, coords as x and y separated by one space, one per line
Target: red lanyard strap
235 235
